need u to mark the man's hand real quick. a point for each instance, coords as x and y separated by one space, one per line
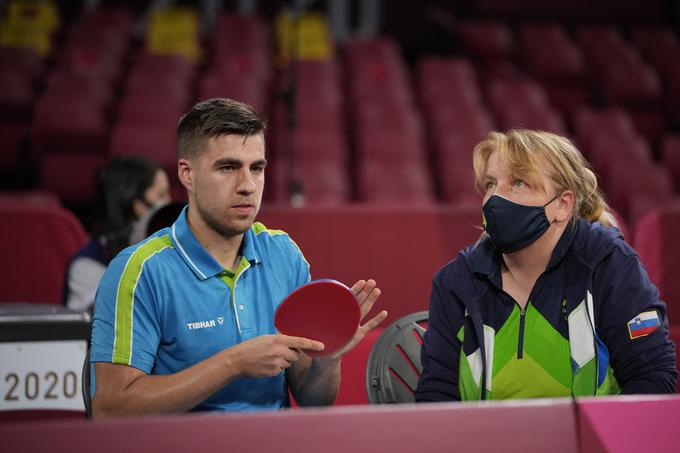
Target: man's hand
268 355
367 294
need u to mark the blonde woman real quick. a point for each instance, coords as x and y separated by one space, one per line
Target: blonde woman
550 301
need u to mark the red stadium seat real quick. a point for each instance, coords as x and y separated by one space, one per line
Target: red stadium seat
44 237
549 53
505 91
489 40
163 66
69 123
390 144
324 180
22 59
13 134
216 85
394 180
650 182
70 175
158 143
589 122
655 242
169 89
670 155
658 44
95 88
16 95
150 112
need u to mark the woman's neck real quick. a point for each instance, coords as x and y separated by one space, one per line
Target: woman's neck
527 264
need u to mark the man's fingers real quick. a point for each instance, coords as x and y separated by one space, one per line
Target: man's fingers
302 343
374 321
358 286
370 301
364 290
291 355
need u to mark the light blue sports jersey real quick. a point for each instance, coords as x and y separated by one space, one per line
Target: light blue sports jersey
165 304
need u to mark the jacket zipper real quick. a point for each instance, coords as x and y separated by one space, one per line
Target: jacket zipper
520 340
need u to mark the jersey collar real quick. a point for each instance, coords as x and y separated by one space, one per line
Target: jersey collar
201 263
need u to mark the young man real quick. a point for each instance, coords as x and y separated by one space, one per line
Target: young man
184 320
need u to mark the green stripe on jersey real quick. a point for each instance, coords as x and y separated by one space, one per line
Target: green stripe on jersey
122 343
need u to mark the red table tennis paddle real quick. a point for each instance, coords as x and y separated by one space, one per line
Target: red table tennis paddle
322 310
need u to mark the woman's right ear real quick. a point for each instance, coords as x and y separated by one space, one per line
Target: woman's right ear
184 173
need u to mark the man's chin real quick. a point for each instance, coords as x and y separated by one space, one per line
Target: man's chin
240 225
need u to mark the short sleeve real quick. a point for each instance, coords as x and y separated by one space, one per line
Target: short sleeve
126 328
302 269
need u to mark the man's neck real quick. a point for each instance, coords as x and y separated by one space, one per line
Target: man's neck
225 250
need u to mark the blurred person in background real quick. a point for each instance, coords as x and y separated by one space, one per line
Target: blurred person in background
128 189
158 217
550 302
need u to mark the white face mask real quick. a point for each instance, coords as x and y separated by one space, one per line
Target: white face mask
139 227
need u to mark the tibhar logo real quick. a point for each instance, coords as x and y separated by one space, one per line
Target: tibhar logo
220 320
200 324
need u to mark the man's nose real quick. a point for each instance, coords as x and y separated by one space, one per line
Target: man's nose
246 183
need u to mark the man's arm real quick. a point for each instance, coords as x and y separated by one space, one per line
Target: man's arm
123 390
315 382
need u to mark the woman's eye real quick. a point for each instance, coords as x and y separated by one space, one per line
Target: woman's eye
519 183
489 185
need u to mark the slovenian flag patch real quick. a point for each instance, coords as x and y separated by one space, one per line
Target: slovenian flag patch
643 324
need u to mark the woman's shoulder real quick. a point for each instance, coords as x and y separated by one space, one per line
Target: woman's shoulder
594 242
462 267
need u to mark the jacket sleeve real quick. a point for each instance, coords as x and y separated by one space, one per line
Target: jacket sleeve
645 364
441 349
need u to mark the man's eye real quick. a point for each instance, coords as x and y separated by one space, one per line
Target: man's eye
258 169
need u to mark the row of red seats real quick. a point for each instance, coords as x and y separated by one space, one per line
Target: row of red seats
71 120
457 119
640 74
622 160
315 151
391 157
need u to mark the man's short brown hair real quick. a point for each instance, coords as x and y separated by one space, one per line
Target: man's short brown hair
212 118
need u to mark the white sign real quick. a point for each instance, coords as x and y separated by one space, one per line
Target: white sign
42 375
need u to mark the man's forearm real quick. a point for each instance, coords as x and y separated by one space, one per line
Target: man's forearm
167 394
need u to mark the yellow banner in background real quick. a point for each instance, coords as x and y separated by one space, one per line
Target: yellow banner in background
311 34
40 14
29 24
174 31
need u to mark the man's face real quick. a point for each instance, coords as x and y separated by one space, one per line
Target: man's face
228 179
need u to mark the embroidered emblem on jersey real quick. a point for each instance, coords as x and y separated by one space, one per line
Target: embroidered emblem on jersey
643 324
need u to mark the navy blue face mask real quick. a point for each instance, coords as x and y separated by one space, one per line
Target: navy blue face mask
513 226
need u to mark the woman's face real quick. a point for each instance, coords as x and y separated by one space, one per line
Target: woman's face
158 192
499 180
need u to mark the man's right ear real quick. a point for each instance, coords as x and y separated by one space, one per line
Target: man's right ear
185 174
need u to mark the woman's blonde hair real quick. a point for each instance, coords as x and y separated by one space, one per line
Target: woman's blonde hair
529 153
